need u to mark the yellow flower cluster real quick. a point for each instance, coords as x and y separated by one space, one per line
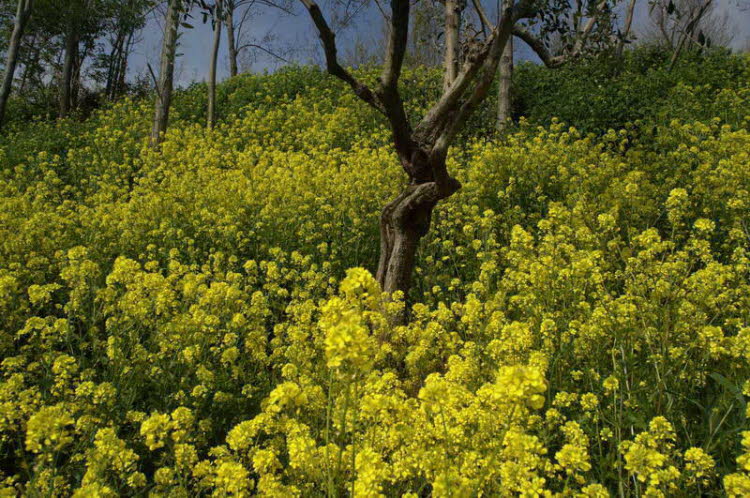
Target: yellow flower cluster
201 320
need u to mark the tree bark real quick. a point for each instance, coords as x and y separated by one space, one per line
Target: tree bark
23 12
75 88
505 77
402 225
406 219
166 73
453 10
212 67
119 88
66 82
231 42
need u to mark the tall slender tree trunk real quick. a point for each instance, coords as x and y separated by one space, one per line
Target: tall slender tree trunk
626 29
166 73
66 83
212 67
231 42
76 80
23 12
114 64
453 9
505 78
30 64
119 88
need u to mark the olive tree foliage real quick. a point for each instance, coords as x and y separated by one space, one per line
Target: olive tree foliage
572 30
421 142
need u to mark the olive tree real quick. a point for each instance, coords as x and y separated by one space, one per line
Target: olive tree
422 144
422 147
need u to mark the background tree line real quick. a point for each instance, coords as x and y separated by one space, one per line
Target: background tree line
77 52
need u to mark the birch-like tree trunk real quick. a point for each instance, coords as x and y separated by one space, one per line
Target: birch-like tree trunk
626 29
166 73
23 12
231 42
212 67
69 61
453 9
505 78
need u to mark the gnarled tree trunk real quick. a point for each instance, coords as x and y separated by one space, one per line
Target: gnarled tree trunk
406 219
423 149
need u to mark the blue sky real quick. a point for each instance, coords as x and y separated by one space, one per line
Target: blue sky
297 32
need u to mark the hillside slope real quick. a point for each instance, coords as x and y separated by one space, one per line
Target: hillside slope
200 320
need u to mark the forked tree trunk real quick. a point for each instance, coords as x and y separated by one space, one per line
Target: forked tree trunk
166 74
422 150
231 42
212 68
66 83
22 16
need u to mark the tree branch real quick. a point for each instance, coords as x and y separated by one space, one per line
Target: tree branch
397 39
451 127
483 18
537 45
434 122
332 64
388 93
263 49
549 60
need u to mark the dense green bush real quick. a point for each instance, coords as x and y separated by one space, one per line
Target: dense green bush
599 94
